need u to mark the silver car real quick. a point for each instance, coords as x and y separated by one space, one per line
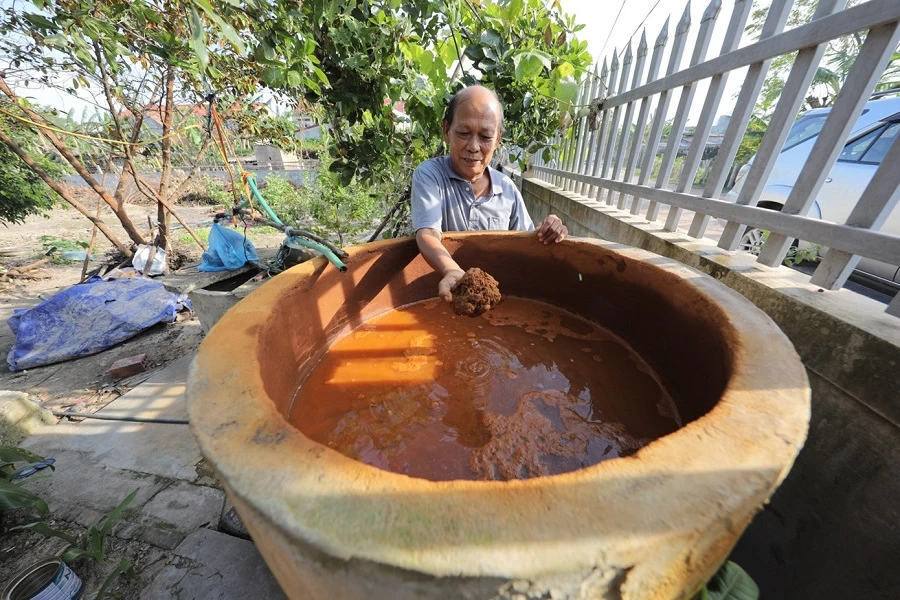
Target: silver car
872 135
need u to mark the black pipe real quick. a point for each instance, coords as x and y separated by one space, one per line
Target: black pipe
165 420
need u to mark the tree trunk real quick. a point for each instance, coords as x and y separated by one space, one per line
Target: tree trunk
104 229
168 118
117 209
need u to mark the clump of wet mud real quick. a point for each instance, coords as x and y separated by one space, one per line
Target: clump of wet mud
475 293
549 433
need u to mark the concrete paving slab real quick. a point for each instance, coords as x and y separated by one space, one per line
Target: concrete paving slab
214 566
101 462
188 507
157 449
80 483
164 450
161 395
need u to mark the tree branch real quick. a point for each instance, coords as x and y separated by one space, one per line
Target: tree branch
119 211
56 187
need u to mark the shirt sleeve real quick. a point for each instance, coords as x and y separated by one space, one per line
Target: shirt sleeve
520 220
426 198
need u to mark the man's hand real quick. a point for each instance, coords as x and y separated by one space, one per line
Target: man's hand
447 284
434 253
551 230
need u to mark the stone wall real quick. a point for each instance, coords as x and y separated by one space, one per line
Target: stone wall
833 528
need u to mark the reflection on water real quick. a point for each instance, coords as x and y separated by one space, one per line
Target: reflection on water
525 390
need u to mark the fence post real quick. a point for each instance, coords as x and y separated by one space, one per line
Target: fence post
878 200
644 111
662 107
578 128
585 133
556 161
704 36
868 66
614 123
805 66
600 91
740 118
629 113
611 91
707 114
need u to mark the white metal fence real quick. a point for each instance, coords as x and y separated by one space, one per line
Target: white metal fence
614 158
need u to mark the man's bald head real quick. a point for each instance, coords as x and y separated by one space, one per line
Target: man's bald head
476 93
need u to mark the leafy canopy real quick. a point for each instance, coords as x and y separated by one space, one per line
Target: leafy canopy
22 192
355 59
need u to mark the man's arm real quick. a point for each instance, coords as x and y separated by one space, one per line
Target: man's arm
437 257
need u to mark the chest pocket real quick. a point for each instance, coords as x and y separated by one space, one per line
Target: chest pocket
482 222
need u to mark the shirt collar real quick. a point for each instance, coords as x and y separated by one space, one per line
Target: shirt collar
496 186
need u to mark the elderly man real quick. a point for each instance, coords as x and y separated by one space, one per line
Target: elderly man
461 192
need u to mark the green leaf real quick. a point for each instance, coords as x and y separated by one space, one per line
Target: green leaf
12 454
490 38
294 78
566 90
198 39
14 496
71 554
530 63
124 567
272 76
226 29
95 539
564 70
39 21
731 582
117 511
44 529
321 75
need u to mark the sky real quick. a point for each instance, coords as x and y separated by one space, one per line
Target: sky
601 27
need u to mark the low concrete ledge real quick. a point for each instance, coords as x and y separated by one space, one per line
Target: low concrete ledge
843 337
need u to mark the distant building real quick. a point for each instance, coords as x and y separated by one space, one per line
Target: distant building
270 158
307 128
721 125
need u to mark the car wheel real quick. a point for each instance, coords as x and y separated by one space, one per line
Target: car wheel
752 241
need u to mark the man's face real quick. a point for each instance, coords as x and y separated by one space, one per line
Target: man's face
473 136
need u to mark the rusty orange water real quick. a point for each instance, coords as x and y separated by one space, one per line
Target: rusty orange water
525 390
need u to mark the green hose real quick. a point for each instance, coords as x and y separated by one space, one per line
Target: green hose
331 256
262 202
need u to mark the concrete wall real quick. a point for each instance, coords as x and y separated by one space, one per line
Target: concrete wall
298 176
833 528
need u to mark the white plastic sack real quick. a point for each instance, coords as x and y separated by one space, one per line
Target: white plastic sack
139 260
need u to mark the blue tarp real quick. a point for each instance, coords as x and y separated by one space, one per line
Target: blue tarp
228 250
85 319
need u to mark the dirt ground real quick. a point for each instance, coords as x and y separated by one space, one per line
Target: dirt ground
82 384
22 549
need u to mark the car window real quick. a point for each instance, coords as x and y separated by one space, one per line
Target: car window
855 149
875 153
804 128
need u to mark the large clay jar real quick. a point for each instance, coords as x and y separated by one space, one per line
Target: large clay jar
653 525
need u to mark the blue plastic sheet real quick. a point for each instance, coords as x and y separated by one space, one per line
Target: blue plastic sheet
85 319
228 250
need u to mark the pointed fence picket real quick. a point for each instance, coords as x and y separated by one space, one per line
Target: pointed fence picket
612 151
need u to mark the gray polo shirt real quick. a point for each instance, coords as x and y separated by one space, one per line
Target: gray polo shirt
443 200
